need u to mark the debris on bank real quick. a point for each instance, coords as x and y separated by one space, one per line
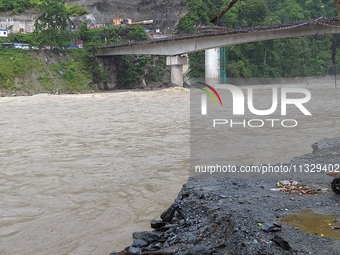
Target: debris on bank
292 186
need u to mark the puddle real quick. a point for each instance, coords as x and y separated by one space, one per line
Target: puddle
314 223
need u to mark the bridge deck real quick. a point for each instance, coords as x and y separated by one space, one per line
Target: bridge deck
166 46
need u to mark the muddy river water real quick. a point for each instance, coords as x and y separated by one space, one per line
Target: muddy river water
80 173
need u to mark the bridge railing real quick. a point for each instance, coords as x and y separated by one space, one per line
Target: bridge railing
318 21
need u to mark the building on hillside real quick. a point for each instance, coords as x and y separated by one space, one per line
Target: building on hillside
17 24
96 26
121 21
4 32
6 22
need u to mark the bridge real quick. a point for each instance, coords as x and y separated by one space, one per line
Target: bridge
175 47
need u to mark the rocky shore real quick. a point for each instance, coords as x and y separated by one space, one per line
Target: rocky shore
226 215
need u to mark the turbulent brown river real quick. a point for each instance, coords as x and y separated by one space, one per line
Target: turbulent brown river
80 173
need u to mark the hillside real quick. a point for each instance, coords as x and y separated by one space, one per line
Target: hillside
28 73
165 13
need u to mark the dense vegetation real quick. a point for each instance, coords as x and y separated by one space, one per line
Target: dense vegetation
18 6
83 63
302 56
26 73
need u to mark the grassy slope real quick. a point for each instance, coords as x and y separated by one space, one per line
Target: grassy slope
27 73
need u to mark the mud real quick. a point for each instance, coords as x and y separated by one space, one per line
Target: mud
224 215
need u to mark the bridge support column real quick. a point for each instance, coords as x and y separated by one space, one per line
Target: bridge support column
176 63
212 66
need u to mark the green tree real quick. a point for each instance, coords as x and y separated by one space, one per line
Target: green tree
52 23
84 31
253 13
196 63
76 10
314 8
137 33
185 25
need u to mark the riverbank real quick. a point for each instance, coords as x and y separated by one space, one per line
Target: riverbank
27 73
224 215
24 73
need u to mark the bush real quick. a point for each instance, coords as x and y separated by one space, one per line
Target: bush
76 10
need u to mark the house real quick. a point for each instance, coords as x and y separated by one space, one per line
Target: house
19 23
4 32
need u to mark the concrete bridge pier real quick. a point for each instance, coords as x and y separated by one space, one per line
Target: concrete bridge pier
176 63
212 66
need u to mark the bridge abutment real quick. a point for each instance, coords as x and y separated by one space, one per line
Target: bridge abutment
177 62
212 66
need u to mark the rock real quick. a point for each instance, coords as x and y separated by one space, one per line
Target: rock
139 243
269 227
281 242
329 144
157 246
156 224
182 212
169 213
201 250
134 250
174 220
277 224
147 236
193 240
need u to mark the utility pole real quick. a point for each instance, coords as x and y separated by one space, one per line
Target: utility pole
337 5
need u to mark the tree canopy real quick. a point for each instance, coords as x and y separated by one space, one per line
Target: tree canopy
291 57
53 21
18 6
